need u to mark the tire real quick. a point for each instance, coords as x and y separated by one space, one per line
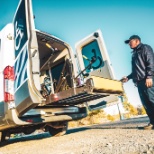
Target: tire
58 131
2 137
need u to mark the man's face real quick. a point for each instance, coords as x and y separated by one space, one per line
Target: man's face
134 43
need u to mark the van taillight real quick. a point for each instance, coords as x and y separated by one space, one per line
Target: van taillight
8 84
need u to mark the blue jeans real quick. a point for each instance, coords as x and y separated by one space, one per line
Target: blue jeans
147 99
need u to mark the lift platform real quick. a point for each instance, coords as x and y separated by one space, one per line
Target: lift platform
94 88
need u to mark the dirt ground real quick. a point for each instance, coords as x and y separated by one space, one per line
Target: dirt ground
86 140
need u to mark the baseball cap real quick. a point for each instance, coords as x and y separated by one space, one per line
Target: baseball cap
133 37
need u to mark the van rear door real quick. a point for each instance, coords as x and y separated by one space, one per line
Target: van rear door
27 85
93 49
94 60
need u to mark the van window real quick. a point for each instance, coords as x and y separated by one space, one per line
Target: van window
89 51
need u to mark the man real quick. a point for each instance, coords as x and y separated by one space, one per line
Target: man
143 74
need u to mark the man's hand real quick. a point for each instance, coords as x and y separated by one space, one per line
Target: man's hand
149 83
124 79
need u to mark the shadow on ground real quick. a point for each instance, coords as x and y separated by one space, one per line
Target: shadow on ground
70 131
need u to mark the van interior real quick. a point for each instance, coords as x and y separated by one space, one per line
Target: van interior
56 69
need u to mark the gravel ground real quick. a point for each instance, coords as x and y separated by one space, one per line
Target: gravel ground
85 140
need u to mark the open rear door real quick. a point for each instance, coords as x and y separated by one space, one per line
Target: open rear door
93 49
94 61
26 66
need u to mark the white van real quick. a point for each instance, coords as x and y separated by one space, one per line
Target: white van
43 84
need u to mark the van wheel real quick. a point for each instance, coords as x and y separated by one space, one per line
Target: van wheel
2 136
58 131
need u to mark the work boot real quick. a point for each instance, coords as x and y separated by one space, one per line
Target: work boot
149 127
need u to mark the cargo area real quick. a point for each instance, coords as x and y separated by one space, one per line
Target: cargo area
56 69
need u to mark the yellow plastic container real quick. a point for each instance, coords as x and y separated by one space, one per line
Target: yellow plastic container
107 85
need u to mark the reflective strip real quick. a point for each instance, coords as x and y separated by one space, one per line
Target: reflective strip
9 86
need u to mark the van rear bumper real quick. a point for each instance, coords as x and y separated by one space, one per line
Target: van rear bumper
14 121
54 118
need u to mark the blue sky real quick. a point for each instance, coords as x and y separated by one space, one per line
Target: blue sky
72 20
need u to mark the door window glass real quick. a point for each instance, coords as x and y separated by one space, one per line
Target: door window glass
91 52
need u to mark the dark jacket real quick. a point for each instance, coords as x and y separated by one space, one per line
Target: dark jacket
142 63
